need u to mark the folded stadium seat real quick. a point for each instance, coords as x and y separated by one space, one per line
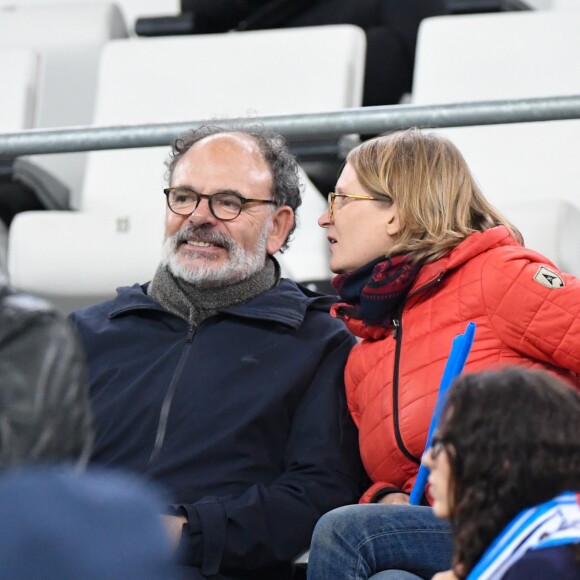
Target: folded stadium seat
549 226
552 4
511 55
131 10
178 79
69 38
19 76
19 81
78 258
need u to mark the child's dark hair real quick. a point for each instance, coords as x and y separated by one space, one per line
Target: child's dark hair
513 441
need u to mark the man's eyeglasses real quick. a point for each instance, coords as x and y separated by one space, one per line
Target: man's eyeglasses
332 199
223 206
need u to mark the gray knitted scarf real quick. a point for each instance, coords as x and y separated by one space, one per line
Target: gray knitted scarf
194 304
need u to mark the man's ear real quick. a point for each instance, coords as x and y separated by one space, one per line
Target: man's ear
282 222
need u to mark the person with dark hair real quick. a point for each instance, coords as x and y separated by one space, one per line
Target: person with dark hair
219 379
57 520
419 252
44 404
505 472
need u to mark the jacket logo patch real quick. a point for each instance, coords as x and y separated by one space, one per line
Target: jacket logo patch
548 278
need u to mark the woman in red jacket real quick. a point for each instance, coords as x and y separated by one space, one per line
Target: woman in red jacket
419 253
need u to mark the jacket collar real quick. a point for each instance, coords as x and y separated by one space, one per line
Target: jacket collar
286 303
472 246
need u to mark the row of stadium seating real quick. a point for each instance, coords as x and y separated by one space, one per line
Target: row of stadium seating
74 258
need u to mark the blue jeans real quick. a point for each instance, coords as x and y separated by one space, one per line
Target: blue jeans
395 575
354 542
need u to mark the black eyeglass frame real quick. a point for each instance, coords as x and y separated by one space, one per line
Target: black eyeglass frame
243 200
439 444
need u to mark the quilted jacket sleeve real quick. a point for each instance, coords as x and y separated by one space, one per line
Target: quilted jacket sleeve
353 378
534 309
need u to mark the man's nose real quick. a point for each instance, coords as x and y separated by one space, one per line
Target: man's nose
202 213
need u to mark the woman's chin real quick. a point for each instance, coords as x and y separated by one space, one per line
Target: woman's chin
338 268
440 509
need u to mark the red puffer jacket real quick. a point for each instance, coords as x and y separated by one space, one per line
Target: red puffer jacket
527 314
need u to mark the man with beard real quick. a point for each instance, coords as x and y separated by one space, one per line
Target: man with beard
220 380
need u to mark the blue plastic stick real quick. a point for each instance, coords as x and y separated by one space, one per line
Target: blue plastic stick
455 363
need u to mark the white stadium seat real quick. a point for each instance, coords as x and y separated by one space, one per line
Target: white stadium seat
553 4
19 82
533 54
511 55
86 255
130 9
549 226
69 39
179 79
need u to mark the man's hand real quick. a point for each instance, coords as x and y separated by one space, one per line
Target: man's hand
395 499
174 525
447 575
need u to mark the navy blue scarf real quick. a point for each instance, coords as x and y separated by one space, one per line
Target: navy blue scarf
375 292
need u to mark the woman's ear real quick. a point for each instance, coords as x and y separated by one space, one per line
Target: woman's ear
393 221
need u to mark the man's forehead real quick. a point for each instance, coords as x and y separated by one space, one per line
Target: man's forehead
229 142
222 153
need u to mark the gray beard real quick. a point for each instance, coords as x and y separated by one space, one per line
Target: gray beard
241 264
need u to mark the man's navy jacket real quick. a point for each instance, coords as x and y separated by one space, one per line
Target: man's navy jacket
242 419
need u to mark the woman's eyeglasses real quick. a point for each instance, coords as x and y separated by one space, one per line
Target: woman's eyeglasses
332 199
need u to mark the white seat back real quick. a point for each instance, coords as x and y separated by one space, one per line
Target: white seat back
130 9
507 56
19 81
74 259
553 4
69 38
551 227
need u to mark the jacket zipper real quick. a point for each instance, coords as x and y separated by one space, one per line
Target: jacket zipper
168 399
398 336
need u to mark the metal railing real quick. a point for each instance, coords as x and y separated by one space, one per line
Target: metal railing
303 127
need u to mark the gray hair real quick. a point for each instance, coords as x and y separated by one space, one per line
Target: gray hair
286 182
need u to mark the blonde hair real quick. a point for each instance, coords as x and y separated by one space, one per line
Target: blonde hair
438 202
